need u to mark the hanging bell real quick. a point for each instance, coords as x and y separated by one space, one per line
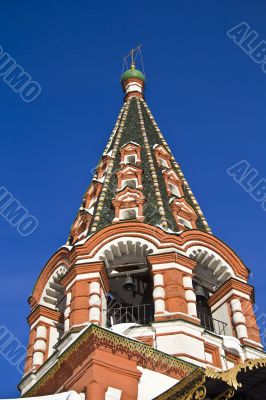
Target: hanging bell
201 291
129 285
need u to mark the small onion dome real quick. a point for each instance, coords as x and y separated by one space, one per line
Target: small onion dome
132 73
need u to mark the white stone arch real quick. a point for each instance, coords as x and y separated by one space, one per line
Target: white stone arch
125 250
125 253
210 265
53 293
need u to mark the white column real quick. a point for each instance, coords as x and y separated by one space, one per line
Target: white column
190 296
53 338
103 309
239 319
39 347
67 312
158 294
95 302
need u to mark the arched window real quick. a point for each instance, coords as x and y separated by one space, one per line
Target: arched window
92 194
184 214
173 183
81 224
130 176
162 156
128 204
130 153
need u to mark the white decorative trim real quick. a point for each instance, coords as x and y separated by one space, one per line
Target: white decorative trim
46 321
133 87
53 291
82 277
171 265
227 296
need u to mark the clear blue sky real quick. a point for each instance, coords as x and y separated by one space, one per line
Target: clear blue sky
207 95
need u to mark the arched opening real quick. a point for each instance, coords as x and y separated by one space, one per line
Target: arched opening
203 308
53 297
211 268
130 297
210 273
53 294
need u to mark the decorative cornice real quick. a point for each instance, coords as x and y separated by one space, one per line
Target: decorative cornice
86 268
96 337
157 236
130 167
231 284
183 242
172 257
42 311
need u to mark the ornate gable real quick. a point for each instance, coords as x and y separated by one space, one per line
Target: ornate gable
128 204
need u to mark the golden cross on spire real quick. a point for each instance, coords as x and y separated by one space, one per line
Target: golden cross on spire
133 55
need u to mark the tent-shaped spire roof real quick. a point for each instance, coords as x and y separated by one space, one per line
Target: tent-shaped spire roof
164 197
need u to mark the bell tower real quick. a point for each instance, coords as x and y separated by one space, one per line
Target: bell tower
142 289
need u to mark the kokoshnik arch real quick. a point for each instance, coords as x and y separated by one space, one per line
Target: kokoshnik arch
143 301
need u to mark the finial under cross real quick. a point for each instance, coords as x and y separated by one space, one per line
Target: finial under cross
132 78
